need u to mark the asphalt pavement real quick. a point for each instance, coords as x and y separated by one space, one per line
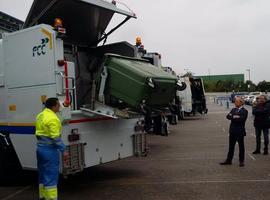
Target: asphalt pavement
184 165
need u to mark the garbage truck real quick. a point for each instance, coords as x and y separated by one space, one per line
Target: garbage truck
192 98
104 89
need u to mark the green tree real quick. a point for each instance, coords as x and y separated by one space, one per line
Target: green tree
250 86
263 86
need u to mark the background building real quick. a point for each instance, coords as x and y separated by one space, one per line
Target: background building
224 83
9 23
227 77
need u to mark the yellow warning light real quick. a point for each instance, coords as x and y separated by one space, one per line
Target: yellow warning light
138 40
12 107
58 23
43 98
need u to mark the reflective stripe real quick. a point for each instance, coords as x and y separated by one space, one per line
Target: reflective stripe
51 192
45 142
49 141
42 192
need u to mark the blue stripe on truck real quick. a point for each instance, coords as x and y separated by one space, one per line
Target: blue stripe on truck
18 129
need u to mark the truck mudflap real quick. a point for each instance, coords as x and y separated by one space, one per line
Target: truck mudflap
73 160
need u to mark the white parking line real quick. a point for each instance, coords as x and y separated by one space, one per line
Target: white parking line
186 182
173 159
16 193
251 156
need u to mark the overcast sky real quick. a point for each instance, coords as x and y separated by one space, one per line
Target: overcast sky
202 36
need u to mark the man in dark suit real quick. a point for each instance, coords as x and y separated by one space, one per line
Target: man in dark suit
261 123
238 116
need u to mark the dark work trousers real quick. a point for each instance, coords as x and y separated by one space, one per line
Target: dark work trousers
232 141
258 138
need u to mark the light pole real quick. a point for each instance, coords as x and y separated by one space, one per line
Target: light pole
248 74
248 79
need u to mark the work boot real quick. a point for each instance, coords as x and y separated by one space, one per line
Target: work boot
241 164
256 152
226 162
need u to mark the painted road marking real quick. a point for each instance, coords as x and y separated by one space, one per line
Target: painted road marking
251 156
184 182
16 193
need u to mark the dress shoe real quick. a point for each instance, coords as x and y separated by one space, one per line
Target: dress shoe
256 152
241 164
226 162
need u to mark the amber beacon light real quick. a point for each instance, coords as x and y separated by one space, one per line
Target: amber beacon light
58 23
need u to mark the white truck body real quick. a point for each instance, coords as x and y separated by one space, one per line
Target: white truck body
185 96
193 97
29 73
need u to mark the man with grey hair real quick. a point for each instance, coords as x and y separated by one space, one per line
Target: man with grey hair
238 117
261 123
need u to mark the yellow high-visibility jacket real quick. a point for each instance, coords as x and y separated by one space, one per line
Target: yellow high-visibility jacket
48 124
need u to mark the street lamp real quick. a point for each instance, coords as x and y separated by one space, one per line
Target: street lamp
248 79
248 74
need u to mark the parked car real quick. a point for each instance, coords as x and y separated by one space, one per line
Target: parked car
251 98
238 94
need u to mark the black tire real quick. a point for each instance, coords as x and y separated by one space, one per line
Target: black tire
172 119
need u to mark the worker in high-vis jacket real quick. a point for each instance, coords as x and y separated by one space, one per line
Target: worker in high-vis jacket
49 147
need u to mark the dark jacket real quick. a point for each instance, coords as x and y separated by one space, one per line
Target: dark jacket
238 119
261 114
